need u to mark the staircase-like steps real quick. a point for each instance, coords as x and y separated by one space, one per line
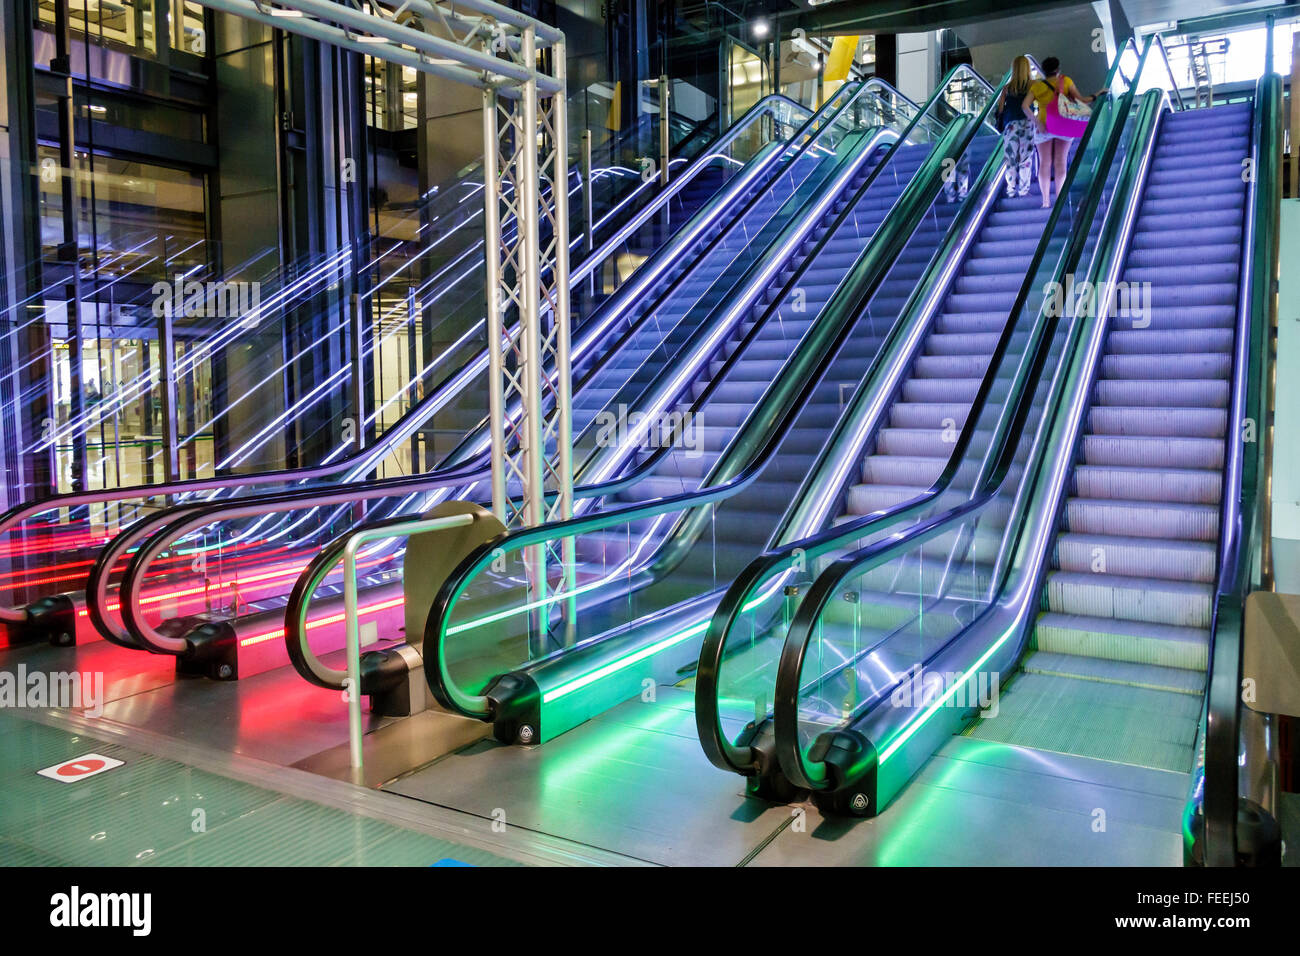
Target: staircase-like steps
1119 654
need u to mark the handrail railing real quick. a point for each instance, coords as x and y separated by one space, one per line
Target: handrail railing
361 461
803 550
350 678
1244 563
785 398
791 757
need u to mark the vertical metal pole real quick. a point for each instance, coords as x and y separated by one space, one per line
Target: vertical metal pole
412 373
563 361
663 130
492 257
358 369
588 210
167 383
69 249
76 385
353 637
1268 44
1295 115
588 205
532 448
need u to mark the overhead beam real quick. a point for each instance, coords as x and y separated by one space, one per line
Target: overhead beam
900 16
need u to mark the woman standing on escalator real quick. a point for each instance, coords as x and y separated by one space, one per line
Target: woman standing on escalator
1017 128
1062 117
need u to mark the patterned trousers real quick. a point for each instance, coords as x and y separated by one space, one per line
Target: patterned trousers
1018 138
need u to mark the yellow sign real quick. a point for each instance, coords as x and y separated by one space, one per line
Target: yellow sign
614 120
841 58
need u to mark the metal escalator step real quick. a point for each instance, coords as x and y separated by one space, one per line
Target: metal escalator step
1196 393
1138 642
1148 556
1154 368
1130 598
935 415
1176 680
1159 519
941 389
863 499
1162 341
968 343
1153 452
1151 421
1131 725
902 469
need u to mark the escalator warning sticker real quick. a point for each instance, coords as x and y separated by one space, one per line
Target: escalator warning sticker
79 768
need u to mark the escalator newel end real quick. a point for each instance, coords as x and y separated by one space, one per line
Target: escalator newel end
516 709
52 618
1259 835
851 764
393 679
767 782
213 650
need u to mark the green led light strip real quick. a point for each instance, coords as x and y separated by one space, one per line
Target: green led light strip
614 666
531 605
915 725
699 627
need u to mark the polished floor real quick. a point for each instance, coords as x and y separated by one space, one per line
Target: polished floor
268 755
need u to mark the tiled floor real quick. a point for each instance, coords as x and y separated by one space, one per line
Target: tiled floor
154 811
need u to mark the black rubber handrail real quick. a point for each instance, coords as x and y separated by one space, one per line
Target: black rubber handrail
751 451
1243 524
1004 445
719 749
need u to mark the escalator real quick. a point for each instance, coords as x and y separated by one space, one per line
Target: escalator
648 574
1070 666
257 584
92 518
1116 664
913 446
912 441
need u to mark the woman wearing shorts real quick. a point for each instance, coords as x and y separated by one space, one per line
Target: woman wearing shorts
1053 150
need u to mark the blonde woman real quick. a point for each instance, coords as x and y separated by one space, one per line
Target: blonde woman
1017 128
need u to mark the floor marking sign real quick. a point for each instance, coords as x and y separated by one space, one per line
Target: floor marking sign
79 768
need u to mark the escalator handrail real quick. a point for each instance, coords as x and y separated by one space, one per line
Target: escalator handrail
763 443
321 566
22 512
160 531
1002 449
721 752
1244 517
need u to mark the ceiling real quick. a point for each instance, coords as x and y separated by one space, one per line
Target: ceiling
909 15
